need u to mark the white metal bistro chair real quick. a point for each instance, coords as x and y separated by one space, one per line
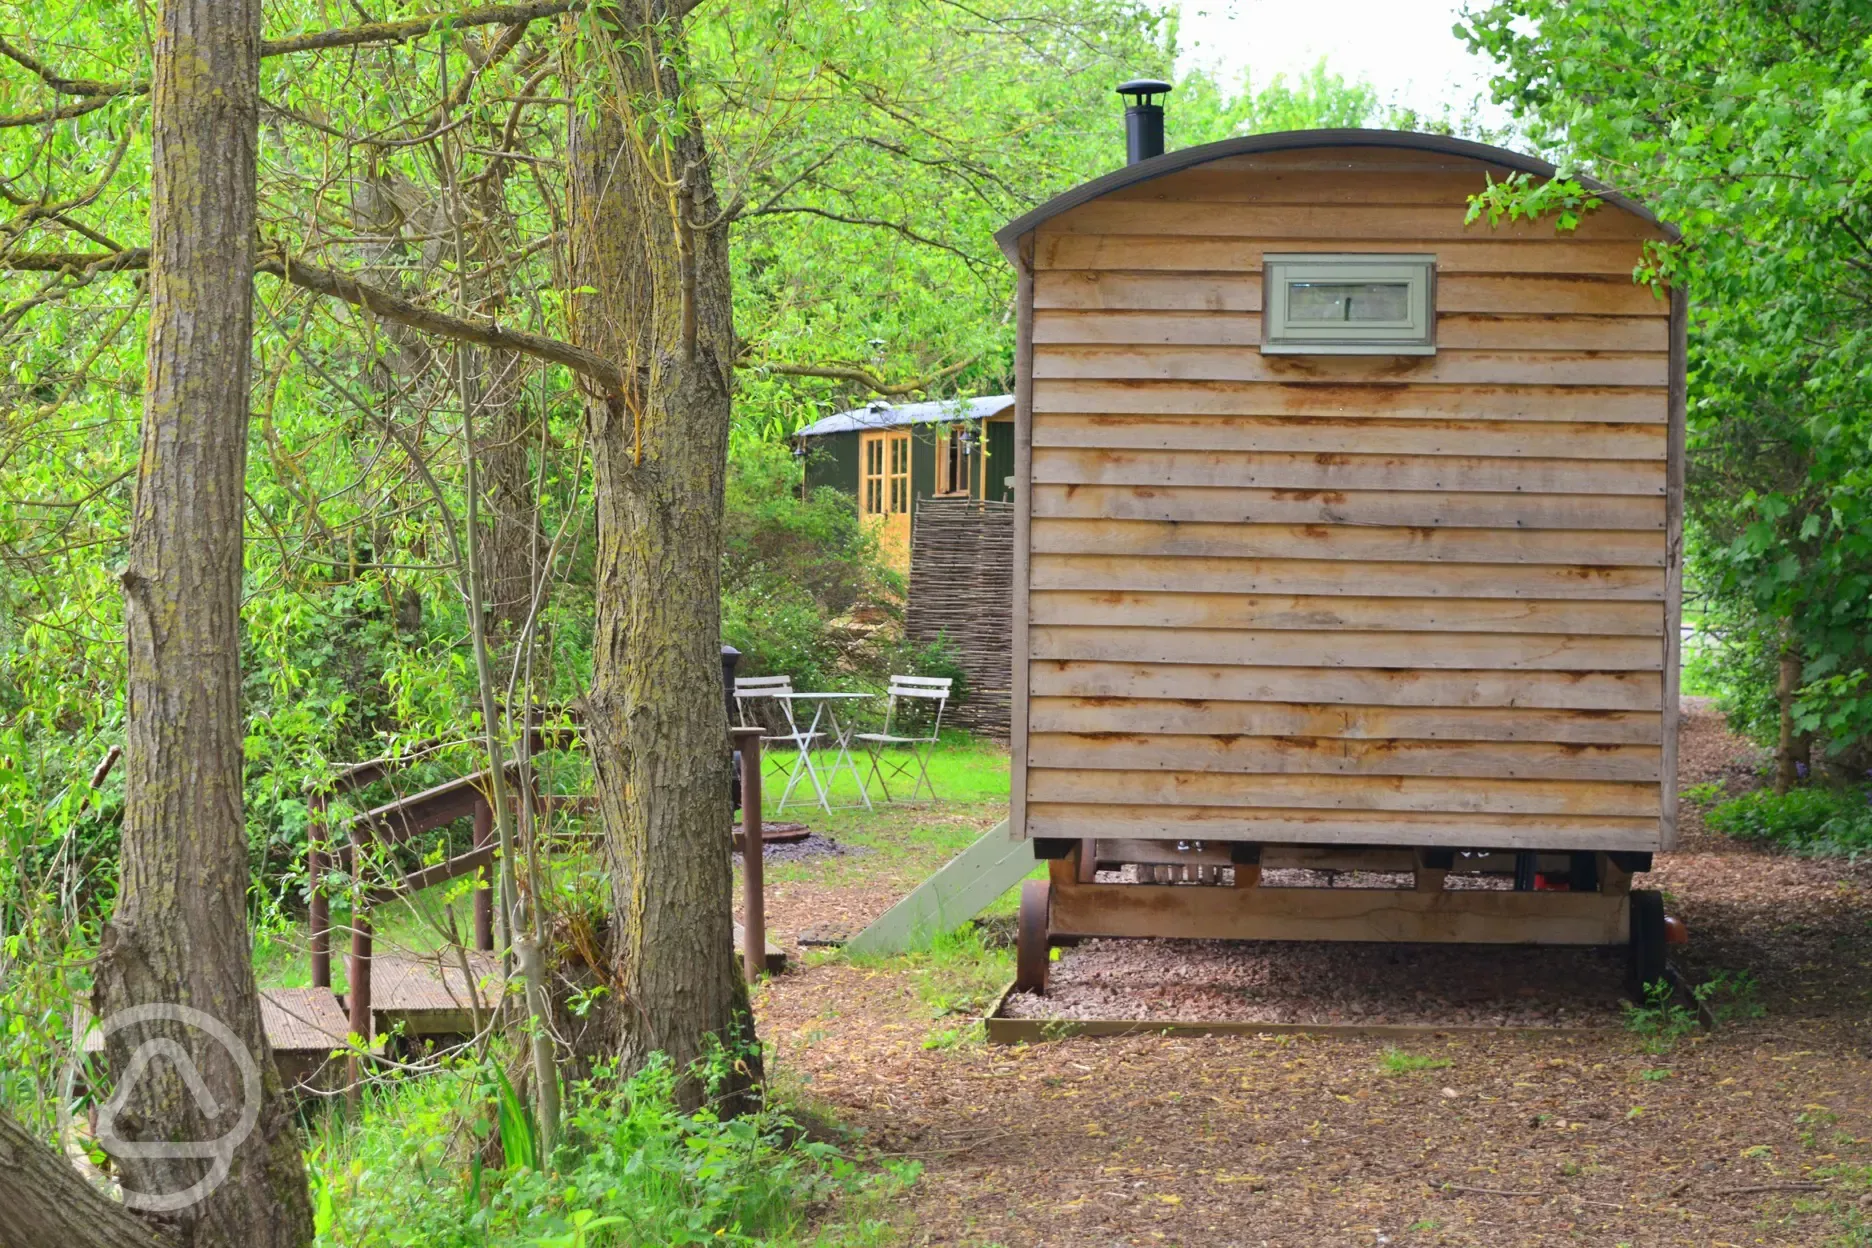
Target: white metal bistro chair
914 693
779 691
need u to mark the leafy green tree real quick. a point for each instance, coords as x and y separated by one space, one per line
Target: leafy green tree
1747 124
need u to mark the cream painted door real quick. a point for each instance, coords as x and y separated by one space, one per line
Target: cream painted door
884 492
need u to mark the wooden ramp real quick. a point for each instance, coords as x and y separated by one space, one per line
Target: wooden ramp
951 897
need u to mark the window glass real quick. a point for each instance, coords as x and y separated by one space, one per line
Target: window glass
1349 301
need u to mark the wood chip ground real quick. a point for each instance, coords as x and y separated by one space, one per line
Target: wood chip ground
1758 1135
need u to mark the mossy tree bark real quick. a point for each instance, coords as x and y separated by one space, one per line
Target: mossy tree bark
179 934
647 240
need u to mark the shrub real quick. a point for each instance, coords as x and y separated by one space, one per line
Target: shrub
1814 822
632 1169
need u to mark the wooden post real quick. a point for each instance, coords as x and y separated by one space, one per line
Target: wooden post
753 865
358 971
484 890
319 910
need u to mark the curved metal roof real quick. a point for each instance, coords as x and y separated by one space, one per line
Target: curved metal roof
1009 235
883 415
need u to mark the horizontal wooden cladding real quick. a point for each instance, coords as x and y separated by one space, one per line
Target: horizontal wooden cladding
1449 366
1428 507
1106 573
1359 159
1393 400
1318 827
1176 717
1282 470
1328 611
1341 756
1170 253
1443 690
1515 293
1366 543
1452 794
1212 184
1325 224
1366 435
1544 652
1467 331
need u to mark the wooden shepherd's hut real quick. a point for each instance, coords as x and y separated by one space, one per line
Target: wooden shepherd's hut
1347 535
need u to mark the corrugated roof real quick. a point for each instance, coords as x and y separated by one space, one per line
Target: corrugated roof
1009 235
882 415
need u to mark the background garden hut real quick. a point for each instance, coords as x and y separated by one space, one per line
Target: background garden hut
1347 535
890 457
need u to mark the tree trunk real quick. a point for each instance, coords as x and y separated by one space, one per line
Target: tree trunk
655 726
179 935
43 1201
1785 754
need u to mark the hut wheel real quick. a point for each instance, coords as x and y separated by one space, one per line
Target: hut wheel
1031 948
1646 952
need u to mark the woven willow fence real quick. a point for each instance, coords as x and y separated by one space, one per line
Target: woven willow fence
962 589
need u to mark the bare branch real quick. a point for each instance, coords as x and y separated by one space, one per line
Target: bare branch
98 94
859 376
321 281
75 261
416 27
391 307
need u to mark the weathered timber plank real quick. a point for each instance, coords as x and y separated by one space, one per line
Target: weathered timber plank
1468 916
1545 652
1326 225
1486 332
1164 716
1447 366
1584 691
1340 756
1023 507
1367 435
954 895
1511 294
1320 611
1284 470
1376 507
1344 827
1366 543
1673 592
1399 400
1361 160
1112 573
1209 183
1442 793
1171 253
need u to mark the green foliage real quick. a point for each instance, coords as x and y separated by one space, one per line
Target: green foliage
1661 1021
1818 821
1395 1061
1749 127
633 1169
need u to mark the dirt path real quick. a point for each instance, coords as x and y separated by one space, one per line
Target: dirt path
1520 1139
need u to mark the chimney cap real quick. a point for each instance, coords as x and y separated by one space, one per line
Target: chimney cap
1143 89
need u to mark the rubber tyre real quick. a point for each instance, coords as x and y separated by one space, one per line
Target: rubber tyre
1645 961
1031 947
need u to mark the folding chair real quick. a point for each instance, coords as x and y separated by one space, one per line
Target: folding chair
911 690
779 690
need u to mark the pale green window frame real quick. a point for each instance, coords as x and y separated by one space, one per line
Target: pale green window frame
1399 291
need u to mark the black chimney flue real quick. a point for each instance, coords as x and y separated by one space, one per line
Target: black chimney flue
1144 129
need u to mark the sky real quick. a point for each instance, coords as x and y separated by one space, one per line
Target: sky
1404 48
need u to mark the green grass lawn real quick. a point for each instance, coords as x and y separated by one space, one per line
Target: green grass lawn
901 844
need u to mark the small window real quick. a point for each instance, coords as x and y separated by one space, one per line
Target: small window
1348 304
